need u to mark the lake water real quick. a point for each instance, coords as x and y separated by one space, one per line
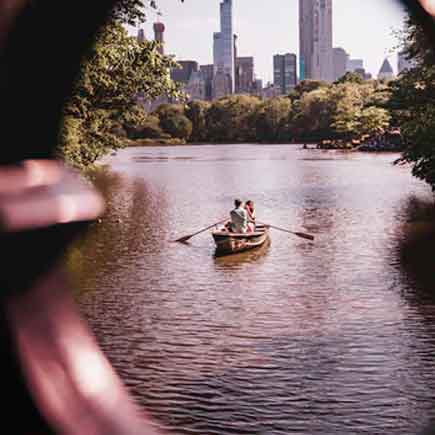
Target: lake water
331 337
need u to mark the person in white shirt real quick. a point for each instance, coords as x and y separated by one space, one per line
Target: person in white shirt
239 218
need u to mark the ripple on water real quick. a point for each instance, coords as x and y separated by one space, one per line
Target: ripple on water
335 337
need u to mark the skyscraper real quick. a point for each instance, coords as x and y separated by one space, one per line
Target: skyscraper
141 35
217 51
284 72
244 74
223 46
159 35
315 36
354 64
207 74
183 74
386 71
340 62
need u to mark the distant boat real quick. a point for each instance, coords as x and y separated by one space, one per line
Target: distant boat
231 243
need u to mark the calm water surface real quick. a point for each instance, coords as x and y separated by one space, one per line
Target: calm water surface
336 337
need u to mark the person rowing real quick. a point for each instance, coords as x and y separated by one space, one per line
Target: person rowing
240 220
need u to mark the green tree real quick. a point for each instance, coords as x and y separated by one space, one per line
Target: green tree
306 86
196 111
412 102
117 69
313 115
272 119
173 121
149 128
373 121
349 99
232 119
350 77
413 105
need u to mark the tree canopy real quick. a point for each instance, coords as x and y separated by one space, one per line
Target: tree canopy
412 101
314 111
117 69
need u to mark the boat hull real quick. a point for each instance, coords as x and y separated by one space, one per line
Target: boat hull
231 243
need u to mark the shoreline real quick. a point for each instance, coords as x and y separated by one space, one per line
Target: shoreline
303 145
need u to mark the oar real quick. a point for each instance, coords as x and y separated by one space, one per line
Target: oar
186 238
303 235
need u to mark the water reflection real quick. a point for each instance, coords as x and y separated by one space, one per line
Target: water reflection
330 337
415 251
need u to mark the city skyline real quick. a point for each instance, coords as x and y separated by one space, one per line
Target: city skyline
190 27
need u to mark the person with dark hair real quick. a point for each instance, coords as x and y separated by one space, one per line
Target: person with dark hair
250 210
239 218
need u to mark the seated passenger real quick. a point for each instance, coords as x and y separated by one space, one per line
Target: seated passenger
250 210
239 218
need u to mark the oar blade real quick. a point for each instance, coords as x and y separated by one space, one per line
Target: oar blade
305 236
187 238
183 239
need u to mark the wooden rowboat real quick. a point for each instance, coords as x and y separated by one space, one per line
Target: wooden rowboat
232 243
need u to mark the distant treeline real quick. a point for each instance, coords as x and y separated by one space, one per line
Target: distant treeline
349 109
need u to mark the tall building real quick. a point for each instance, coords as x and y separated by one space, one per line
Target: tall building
221 84
386 71
183 74
363 73
315 36
217 50
207 74
196 87
270 91
223 46
159 36
235 50
340 62
354 64
284 72
141 35
403 63
258 88
244 75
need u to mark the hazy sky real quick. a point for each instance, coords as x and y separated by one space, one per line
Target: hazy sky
266 27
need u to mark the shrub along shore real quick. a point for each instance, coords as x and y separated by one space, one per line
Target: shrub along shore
346 114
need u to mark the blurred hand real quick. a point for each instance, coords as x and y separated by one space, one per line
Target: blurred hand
70 380
38 194
429 5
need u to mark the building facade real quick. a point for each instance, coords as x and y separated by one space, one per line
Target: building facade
270 91
207 74
159 36
341 58
386 72
315 39
363 73
224 45
183 74
221 84
141 35
196 87
244 75
284 72
258 88
218 59
354 64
